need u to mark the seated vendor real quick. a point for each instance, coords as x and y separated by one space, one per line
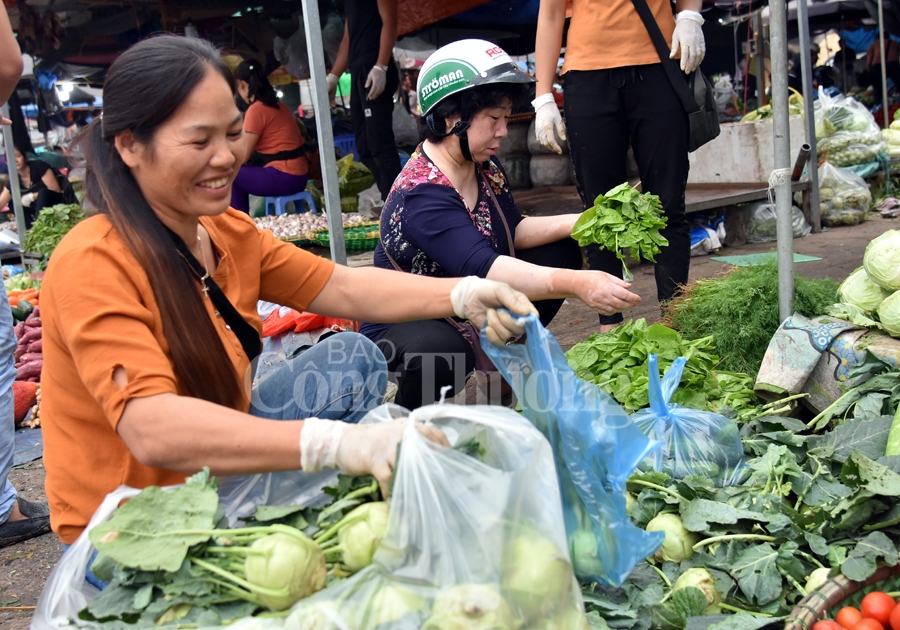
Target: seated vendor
37 184
149 311
451 213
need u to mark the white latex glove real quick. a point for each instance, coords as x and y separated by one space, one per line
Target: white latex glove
477 300
28 199
689 37
548 123
375 82
357 449
332 81
603 292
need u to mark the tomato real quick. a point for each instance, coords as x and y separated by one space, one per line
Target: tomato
867 623
826 624
878 606
848 616
895 617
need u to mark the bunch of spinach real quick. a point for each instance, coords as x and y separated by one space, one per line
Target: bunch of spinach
808 502
170 556
51 225
622 219
617 362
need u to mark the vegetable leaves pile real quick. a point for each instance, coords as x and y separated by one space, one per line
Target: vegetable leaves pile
51 225
617 362
809 502
623 218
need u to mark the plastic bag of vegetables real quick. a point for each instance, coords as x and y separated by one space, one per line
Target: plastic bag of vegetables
846 132
696 442
844 197
596 448
473 541
353 178
761 223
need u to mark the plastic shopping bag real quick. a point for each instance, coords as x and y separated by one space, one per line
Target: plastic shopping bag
475 536
844 197
596 446
846 132
696 442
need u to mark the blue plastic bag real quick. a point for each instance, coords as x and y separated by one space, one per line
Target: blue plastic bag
596 448
696 442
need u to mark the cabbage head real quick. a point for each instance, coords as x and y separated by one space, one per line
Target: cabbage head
889 314
860 291
679 542
702 579
471 607
363 533
391 603
537 577
882 260
292 563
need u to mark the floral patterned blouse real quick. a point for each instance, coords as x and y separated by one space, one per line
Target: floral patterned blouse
428 230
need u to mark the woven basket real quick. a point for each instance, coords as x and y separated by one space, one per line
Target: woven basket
825 601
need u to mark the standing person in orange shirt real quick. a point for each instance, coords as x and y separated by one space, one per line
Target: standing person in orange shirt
276 163
616 93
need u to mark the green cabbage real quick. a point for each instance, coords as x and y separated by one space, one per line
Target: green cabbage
703 580
361 536
679 542
538 576
292 563
471 607
882 260
860 291
889 314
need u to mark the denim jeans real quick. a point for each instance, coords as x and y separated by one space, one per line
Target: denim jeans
7 410
341 378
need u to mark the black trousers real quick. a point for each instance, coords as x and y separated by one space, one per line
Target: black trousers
605 109
373 127
424 356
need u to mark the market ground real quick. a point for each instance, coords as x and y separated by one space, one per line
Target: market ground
24 568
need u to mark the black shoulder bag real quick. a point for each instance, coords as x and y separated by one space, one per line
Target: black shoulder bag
696 93
246 333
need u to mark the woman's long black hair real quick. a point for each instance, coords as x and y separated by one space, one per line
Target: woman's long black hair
139 95
252 72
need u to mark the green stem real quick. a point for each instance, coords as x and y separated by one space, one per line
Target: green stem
725 537
336 550
795 584
361 492
236 591
806 489
735 609
253 588
641 482
890 523
236 551
665 578
812 559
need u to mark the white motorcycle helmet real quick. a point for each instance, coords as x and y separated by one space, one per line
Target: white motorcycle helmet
461 66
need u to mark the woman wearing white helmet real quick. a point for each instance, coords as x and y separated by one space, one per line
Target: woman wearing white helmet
450 213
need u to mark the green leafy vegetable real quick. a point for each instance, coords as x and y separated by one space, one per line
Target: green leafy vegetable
623 218
51 225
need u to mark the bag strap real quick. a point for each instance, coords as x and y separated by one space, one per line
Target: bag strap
509 240
246 334
676 77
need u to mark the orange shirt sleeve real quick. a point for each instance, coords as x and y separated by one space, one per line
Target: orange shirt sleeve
104 321
255 119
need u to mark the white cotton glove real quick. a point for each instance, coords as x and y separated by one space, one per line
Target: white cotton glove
28 199
689 37
477 300
548 124
357 449
332 81
375 82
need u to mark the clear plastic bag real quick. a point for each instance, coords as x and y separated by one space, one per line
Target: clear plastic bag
846 132
696 442
465 535
480 535
844 197
762 220
596 448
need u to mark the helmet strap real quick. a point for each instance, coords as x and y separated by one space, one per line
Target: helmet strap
459 130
